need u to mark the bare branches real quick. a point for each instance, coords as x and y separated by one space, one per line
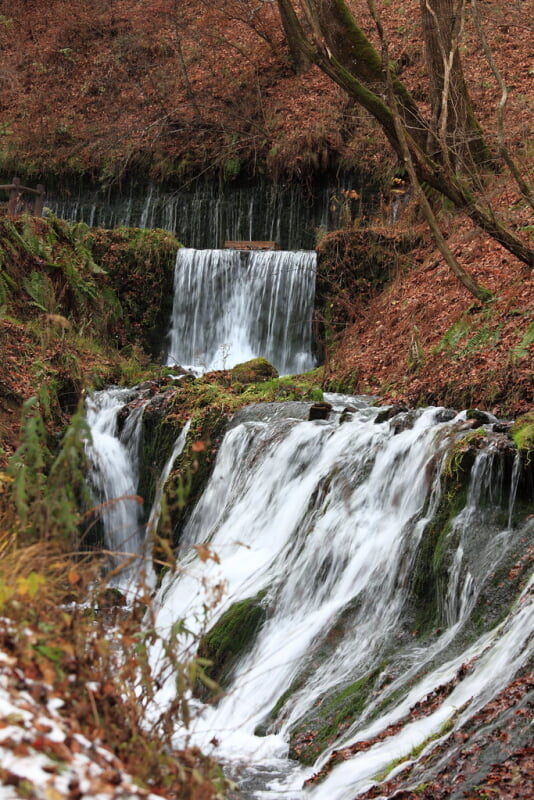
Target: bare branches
464 277
352 62
503 150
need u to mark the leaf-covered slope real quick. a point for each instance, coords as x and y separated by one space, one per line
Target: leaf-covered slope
173 89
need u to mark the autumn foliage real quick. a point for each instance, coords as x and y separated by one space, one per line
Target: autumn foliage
170 89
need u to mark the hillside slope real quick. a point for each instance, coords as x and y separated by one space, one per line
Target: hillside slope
172 90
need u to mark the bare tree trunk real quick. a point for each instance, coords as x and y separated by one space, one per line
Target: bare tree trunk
299 59
463 276
524 188
181 60
457 136
340 48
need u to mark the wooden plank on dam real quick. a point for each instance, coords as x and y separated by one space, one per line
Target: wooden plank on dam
251 246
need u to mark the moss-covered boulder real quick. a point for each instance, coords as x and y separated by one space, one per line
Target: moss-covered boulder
429 579
257 370
522 433
139 267
232 636
159 436
192 468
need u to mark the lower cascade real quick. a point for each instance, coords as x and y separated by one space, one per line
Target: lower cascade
347 587
234 305
358 586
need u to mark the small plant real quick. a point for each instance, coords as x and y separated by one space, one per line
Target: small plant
48 489
96 653
521 350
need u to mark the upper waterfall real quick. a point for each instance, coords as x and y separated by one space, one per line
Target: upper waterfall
290 215
233 305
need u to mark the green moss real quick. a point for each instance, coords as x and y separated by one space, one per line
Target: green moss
335 715
461 456
390 701
431 568
159 436
416 751
522 433
139 266
232 636
254 371
284 697
193 467
209 402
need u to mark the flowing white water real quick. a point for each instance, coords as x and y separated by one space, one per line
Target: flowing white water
231 306
501 654
114 477
319 523
325 519
289 216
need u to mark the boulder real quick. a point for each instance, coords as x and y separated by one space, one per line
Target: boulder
257 370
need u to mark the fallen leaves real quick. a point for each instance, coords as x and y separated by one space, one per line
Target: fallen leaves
205 553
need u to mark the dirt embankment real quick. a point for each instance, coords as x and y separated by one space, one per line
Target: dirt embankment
425 339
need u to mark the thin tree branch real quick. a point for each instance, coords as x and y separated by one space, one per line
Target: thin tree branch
503 150
464 277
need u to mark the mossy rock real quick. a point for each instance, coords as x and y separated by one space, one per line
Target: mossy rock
257 370
139 268
231 636
209 402
522 432
192 469
439 541
436 548
388 413
336 715
159 436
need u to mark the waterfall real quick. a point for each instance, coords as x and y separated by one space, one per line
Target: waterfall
114 474
321 522
289 215
321 517
231 306
115 455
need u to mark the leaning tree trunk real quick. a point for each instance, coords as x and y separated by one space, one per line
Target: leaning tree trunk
478 291
333 41
456 136
299 59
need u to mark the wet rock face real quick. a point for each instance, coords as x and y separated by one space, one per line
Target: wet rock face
230 637
389 413
404 421
445 414
320 410
481 417
257 412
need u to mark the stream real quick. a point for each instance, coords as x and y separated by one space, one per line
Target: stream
320 528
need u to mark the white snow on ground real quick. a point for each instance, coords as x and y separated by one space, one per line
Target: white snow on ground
42 758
